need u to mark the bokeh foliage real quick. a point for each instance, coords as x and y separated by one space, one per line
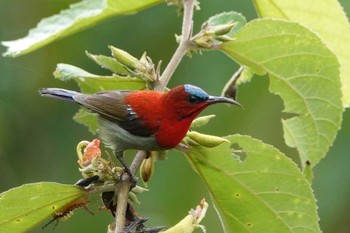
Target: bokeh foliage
26 144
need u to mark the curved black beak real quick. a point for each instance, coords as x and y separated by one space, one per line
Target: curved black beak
216 99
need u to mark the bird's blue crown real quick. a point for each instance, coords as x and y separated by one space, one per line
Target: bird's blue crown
196 91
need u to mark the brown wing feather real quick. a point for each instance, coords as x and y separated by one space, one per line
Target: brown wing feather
111 106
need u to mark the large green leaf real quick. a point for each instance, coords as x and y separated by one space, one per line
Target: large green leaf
325 17
24 207
260 191
91 83
78 17
304 72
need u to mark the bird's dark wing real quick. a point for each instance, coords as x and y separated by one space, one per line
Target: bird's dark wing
111 106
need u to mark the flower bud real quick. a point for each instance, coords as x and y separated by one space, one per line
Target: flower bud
203 41
147 168
91 151
201 121
133 198
191 142
205 139
118 171
223 29
126 59
224 38
161 155
138 189
109 63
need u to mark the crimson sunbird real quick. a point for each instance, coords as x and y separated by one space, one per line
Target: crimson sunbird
142 120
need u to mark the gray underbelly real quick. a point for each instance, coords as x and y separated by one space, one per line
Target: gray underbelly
118 139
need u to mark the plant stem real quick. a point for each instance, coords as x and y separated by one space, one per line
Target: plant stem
183 47
123 191
125 184
136 163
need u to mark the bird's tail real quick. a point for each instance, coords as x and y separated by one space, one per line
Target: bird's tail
58 93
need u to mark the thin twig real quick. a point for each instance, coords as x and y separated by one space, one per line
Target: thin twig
136 163
123 191
183 47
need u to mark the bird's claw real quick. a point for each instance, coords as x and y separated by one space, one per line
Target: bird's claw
133 178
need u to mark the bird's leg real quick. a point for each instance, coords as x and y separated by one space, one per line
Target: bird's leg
133 178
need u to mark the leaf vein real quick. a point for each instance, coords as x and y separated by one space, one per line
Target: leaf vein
288 55
286 193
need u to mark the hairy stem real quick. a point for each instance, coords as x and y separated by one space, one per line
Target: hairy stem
183 47
123 189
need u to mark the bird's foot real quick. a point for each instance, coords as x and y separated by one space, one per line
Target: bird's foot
133 178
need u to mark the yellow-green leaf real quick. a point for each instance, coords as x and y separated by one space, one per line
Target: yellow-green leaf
88 119
24 207
303 72
325 17
108 63
257 189
78 17
91 83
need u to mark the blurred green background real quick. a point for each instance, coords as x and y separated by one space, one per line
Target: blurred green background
38 136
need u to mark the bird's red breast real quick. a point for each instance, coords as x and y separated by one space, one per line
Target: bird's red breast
146 105
169 115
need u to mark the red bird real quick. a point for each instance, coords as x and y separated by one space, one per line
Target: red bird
142 120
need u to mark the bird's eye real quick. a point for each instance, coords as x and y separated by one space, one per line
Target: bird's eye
194 99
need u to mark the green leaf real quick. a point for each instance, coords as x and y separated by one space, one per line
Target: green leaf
304 72
253 193
78 17
24 207
327 18
91 83
246 75
87 118
108 63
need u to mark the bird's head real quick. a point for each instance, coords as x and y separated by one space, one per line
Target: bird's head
188 101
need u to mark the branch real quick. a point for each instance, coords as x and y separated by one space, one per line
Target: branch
183 47
136 163
123 189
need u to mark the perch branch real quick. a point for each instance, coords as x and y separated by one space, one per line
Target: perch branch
184 45
123 191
